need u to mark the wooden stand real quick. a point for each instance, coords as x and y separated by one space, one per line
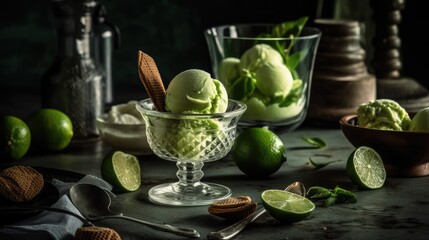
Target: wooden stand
341 81
387 58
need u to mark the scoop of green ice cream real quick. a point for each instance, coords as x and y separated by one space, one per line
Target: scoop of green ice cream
384 114
420 121
259 54
228 71
274 80
195 92
185 139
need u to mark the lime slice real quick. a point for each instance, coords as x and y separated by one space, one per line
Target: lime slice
122 170
286 206
365 168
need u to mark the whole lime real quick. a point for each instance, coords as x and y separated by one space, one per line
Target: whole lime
51 129
258 152
15 138
420 121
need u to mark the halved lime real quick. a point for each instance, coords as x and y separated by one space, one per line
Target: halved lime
122 170
365 168
286 206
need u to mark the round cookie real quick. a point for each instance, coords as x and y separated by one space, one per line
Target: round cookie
20 183
96 233
233 208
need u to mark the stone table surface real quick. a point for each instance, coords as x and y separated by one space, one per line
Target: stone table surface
399 210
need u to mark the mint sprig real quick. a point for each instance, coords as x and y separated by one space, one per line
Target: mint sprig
292 30
331 196
244 86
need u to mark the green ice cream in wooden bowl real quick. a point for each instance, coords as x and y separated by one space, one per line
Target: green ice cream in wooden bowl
399 137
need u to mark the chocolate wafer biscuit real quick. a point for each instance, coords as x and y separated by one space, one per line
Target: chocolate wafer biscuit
233 207
20 183
232 202
151 79
96 233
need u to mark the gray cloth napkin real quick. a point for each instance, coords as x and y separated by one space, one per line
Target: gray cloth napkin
52 225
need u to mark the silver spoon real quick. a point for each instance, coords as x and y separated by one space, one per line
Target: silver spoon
94 203
234 229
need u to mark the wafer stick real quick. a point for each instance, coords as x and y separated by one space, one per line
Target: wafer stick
151 79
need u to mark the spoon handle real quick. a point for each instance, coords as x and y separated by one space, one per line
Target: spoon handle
185 232
234 229
50 209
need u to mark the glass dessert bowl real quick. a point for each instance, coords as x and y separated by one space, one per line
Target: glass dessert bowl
271 75
190 140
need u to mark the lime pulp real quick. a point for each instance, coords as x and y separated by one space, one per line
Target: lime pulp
365 168
286 206
122 170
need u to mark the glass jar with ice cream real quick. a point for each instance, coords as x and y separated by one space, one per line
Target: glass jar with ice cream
268 67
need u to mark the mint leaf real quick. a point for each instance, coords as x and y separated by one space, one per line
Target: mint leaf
331 196
344 195
243 87
294 59
316 142
294 94
289 28
317 192
292 30
330 201
321 165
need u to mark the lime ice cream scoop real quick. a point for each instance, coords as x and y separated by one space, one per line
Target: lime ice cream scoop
383 114
259 54
262 80
229 71
420 121
274 79
195 91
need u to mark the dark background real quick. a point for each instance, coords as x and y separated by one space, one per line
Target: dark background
171 31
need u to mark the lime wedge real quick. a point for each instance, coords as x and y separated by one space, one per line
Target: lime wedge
286 206
365 168
122 170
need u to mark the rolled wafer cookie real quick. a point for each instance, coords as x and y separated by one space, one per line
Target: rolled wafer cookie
151 79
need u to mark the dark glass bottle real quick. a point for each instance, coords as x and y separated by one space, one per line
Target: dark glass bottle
106 38
73 84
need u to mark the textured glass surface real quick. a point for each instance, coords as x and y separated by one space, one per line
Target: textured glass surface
189 137
190 140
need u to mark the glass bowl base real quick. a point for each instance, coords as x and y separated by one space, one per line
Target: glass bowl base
174 194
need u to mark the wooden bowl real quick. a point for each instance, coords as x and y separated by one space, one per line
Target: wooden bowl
404 153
